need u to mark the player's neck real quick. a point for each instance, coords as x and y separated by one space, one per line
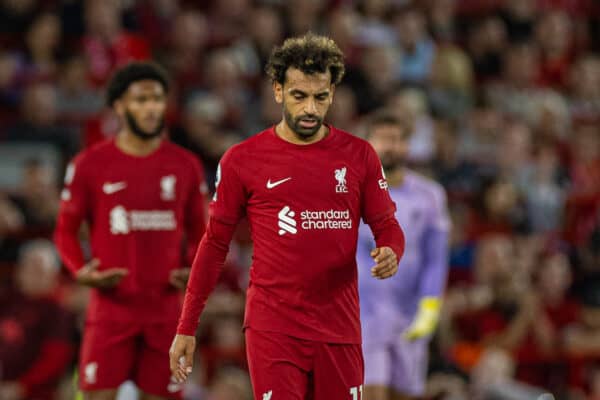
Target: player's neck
395 177
130 144
286 133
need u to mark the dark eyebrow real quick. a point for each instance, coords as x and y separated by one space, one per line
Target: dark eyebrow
323 93
295 92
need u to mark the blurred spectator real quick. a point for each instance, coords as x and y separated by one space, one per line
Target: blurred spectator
200 131
411 106
43 40
37 198
225 18
554 33
372 30
583 204
344 27
451 83
106 44
373 80
184 54
252 51
519 18
417 48
263 111
442 20
302 16
344 110
487 41
224 80
39 121
76 100
37 333
15 16
585 88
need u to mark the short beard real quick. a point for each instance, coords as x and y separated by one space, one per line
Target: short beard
294 124
139 132
390 164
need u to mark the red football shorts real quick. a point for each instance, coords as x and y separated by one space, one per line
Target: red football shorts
113 352
284 367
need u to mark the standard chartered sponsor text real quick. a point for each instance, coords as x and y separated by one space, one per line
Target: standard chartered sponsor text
329 219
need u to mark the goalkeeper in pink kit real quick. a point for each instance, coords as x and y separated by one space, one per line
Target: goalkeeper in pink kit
304 187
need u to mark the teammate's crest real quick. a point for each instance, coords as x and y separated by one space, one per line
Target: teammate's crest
118 221
89 372
340 176
167 187
267 395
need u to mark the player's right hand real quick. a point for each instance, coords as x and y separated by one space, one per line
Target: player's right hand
89 275
181 357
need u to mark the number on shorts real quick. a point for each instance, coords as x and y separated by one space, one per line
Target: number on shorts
354 391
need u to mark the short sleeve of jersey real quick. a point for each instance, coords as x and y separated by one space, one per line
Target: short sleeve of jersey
229 201
376 201
75 194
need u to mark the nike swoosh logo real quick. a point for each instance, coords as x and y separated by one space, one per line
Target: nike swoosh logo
110 188
271 185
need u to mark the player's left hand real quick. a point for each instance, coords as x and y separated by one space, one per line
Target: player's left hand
179 277
386 262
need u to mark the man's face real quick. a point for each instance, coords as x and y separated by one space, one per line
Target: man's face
143 107
390 141
305 99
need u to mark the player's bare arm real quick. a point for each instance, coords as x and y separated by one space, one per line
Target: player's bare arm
89 275
386 263
181 356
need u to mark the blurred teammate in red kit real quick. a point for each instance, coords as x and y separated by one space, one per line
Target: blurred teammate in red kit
304 186
141 196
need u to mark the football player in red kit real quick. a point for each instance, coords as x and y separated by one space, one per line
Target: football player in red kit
141 197
304 186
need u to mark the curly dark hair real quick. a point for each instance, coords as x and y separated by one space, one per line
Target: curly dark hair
310 54
133 72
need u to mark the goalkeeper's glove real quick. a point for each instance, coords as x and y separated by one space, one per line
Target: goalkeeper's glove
426 319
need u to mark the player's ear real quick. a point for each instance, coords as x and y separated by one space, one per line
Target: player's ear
119 107
332 91
278 92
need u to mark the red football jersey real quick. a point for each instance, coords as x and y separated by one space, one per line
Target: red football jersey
304 204
138 210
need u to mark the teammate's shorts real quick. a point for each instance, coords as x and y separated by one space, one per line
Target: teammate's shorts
401 365
113 352
287 368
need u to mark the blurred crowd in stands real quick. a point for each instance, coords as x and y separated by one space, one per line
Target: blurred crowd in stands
503 97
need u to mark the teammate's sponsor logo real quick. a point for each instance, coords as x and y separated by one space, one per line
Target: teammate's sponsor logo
118 221
313 220
267 395
89 372
123 221
271 185
286 223
167 187
110 188
69 174
340 177
383 182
